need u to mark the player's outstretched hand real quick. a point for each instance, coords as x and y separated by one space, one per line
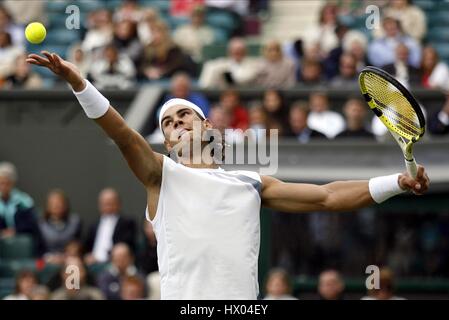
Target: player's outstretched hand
66 70
419 185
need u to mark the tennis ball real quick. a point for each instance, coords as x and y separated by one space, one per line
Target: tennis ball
35 32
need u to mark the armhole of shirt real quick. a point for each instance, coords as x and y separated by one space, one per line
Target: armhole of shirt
161 194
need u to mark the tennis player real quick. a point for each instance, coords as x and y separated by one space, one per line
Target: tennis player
206 219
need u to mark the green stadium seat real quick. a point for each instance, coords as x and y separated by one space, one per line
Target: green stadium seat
48 272
220 35
214 51
221 19
442 49
57 5
160 5
62 37
438 34
91 5
9 268
7 286
438 18
426 5
18 247
97 268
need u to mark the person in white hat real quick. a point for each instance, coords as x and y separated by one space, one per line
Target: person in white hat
206 219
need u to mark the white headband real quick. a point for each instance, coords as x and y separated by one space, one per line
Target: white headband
178 102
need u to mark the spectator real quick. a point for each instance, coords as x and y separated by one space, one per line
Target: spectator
128 11
115 71
411 17
8 54
111 229
194 36
330 285
231 104
183 8
330 63
321 118
434 72
7 25
382 51
320 39
122 265
356 43
221 121
40 292
99 34
348 75
386 287
132 288
276 71
59 226
355 114
181 87
258 122
299 113
439 123
147 258
80 59
276 110
278 286
26 281
75 289
236 69
147 24
239 7
26 11
17 214
311 72
162 58
22 76
401 68
127 41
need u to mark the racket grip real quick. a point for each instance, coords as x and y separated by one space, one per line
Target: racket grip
412 168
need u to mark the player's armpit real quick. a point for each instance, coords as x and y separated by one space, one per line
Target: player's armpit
143 161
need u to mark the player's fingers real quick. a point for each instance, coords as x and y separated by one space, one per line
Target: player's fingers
57 59
41 60
420 172
32 61
49 56
411 184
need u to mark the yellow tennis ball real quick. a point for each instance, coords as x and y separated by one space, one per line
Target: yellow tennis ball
35 32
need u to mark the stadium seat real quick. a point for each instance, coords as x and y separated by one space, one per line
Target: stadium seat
214 51
426 5
442 49
18 247
57 5
220 35
438 18
438 34
97 268
7 286
221 19
160 5
9 268
62 37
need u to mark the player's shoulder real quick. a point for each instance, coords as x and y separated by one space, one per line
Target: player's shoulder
250 174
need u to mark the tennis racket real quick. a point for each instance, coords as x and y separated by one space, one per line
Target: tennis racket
396 107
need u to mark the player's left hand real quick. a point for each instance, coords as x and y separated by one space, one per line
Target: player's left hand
419 185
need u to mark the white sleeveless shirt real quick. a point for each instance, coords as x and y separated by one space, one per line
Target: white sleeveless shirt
207 227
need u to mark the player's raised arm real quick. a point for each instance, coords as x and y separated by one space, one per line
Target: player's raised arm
338 196
143 161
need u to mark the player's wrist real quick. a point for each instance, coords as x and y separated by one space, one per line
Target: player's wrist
95 105
78 84
385 187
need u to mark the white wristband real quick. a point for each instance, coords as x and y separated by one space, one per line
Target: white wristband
95 105
383 188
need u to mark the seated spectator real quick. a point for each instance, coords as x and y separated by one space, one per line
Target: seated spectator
75 289
439 123
183 8
277 111
26 11
311 72
26 281
192 37
127 41
386 287
8 54
383 50
128 11
147 257
162 58
330 63
231 104
239 7
181 87
235 70
401 69
7 25
331 285
147 24
434 72
17 214
355 112
299 113
80 59
99 34
278 286
412 18
23 77
111 229
221 120
276 71
347 75
40 292
258 122
320 39
114 71
122 265
59 226
321 118
132 288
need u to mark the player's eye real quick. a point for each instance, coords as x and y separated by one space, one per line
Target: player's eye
167 123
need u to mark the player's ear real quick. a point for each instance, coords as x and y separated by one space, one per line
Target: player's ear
207 124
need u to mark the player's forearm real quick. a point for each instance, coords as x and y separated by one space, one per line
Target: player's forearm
347 195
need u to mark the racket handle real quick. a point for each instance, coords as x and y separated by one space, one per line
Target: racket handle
412 168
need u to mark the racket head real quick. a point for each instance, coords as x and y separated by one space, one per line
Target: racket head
392 103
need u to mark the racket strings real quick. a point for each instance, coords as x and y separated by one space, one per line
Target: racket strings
393 104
